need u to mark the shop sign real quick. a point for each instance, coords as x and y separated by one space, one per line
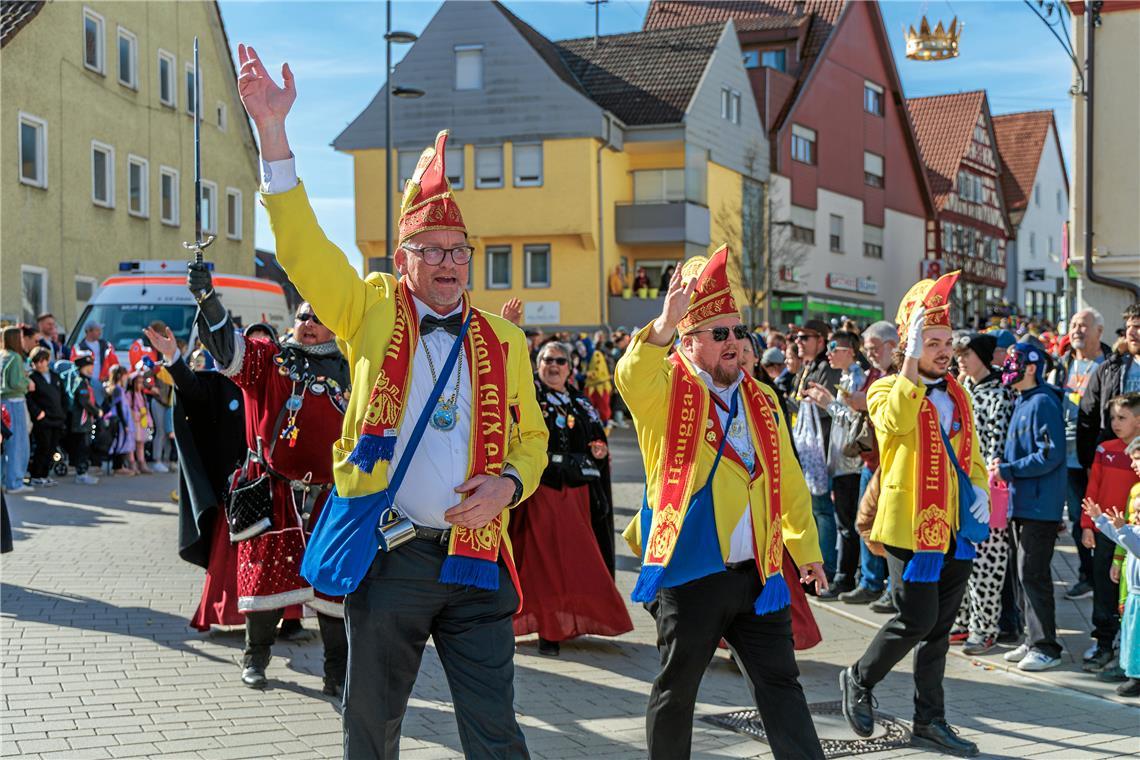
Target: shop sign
842 282
542 313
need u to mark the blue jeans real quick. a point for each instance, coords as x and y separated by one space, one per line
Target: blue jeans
872 569
18 448
823 509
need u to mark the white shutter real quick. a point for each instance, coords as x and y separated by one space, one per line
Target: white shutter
469 67
489 166
872 163
528 164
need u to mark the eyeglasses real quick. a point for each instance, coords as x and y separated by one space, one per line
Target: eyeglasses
308 316
433 256
561 361
801 337
834 346
720 334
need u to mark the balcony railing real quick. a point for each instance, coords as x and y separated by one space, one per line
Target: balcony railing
662 223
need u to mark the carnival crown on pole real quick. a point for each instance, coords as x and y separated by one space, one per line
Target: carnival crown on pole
934 295
429 203
937 45
712 297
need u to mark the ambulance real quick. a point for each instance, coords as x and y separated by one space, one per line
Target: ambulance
147 291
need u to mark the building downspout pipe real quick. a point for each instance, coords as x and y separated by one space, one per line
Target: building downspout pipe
603 310
1092 12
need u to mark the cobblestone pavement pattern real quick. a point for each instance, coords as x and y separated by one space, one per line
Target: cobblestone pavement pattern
98 662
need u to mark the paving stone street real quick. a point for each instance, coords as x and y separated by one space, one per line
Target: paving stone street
99 662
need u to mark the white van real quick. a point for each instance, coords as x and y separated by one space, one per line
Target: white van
146 291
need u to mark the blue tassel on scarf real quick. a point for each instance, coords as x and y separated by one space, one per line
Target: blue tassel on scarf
924 567
775 595
648 583
468 571
372 448
965 549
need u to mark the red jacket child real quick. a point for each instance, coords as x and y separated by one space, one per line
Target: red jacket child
1110 479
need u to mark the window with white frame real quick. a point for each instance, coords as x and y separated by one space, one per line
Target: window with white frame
33 150
872 98
725 105
803 225
209 207
167 87
454 161
835 238
93 40
537 265
469 67
191 103
489 166
138 186
872 169
128 58
734 107
872 241
803 144
102 174
528 164
233 213
406 161
34 290
658 185
498 267
223 116
168 187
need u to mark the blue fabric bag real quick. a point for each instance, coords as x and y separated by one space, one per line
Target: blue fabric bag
346 537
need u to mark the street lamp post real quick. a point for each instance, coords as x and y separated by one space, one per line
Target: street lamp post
403 38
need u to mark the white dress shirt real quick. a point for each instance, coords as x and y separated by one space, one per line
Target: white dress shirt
943 403
278 176
740 545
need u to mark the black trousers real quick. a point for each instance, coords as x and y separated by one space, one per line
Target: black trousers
691 620
1035 540
846 490
1106 594
1010 619
45 441
78 445
390 616
261 631
925 614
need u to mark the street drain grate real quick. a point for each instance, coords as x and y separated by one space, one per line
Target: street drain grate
828 716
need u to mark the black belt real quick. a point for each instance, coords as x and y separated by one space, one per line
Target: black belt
738 566
435 535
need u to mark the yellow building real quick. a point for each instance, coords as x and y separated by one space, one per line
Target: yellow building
570 158
97 148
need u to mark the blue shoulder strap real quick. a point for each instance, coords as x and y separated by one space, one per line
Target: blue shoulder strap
421 423
732 409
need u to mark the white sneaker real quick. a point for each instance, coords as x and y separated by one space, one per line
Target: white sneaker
22 489
1036 660
1016 655
1090 651
86 480
159 467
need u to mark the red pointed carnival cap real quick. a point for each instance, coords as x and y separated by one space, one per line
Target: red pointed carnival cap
429 203
712 298
934 295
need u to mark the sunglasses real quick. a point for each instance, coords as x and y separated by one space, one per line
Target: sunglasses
834 346
720 334
460 254
308 316
561 361
801 337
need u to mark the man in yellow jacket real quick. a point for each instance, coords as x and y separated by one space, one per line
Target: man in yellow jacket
724 497
933 508
483 451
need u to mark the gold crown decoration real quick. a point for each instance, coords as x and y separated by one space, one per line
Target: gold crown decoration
937 45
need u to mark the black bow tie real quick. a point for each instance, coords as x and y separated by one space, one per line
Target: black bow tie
451 324
939 386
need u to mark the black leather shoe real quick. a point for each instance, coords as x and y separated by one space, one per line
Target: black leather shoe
831 593
858 704
254 677
548 648
943 737
884 605
861 595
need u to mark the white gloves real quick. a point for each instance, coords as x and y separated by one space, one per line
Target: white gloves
914 332
980 509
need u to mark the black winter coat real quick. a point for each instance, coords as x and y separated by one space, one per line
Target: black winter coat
47 398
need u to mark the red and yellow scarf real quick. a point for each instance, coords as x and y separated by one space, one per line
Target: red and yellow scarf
689 402
472 554
933 473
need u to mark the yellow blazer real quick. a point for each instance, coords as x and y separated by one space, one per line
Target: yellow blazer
642 377
362 312
893 403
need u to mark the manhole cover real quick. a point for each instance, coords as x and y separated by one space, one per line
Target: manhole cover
834 734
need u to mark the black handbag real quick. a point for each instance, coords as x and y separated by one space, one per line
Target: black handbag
578 469
249 504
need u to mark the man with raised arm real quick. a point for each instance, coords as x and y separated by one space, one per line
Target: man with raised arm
724 498
482 453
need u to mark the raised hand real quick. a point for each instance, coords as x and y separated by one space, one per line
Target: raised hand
264 101
512 311
1092 509
164 342
1116 517
677 299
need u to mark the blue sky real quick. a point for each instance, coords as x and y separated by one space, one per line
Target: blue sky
336 52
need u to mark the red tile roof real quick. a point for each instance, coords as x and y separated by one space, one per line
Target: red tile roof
823 14
1020 140
944 126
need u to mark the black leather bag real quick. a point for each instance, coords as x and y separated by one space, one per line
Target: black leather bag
249 505
579 469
